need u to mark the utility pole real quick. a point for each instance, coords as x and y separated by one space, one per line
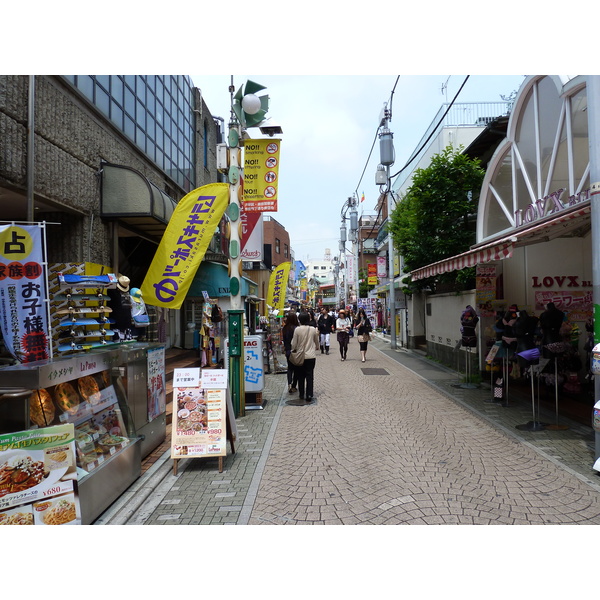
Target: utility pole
386 153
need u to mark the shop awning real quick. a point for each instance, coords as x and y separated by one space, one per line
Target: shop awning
212 278
560 225
130 198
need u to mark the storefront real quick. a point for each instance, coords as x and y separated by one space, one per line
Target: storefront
85 416
534 236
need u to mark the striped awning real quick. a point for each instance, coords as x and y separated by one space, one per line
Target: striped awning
551 228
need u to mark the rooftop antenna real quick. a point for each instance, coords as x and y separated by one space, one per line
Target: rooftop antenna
444 88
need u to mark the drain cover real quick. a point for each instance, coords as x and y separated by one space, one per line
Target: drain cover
299 402
374 371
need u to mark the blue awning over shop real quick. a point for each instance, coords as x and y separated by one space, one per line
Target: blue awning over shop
212 278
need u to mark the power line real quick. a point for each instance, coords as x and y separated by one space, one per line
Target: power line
376 134
420 149
433 130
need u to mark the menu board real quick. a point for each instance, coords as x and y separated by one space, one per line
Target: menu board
38 477
157 396
199 422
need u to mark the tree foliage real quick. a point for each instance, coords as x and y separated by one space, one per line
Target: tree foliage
436 218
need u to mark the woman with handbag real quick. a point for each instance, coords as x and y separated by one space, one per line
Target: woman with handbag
305 343
342 326
363 331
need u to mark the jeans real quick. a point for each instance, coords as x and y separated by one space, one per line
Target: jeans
306 376
292 375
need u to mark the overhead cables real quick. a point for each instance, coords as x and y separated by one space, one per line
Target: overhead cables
376 134
433 131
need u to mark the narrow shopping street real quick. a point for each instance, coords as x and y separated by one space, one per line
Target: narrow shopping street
390 441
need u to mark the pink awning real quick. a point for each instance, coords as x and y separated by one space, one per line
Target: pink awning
551 228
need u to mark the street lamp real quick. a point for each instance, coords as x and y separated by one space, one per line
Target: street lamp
387 158
350 207
248 109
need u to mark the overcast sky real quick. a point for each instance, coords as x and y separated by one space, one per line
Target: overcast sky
330 123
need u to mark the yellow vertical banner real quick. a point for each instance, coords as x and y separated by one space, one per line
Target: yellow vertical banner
278 286
184 245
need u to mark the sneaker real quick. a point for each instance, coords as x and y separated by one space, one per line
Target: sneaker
293 390
309 398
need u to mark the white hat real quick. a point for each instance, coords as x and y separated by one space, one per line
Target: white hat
123 283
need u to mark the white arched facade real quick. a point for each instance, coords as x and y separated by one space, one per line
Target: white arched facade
534 242
542 167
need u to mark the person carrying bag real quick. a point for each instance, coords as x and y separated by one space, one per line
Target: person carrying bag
305 344
363 330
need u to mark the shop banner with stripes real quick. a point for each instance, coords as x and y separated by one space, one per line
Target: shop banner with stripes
184 245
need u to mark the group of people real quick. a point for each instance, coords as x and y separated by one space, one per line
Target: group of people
304 333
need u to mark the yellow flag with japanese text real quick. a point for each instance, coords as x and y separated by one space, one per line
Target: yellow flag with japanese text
278 286
184 245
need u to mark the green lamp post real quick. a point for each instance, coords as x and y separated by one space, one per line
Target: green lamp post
247 110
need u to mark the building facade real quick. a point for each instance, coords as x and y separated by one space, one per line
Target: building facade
534 241
103 160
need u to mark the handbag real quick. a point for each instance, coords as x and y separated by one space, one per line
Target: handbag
297 357
364 337
141 320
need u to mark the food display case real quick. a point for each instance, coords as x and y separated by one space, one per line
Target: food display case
142 370
88 391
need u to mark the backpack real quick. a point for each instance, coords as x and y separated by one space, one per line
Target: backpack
216 315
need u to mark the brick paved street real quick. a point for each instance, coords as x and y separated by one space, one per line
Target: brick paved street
380 445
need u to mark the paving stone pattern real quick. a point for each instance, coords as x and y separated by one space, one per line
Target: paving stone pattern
390 447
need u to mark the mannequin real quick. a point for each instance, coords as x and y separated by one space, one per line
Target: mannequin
139 313
550 322
508 321
468 322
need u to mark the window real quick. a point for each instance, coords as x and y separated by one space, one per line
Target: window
277 246
130 102
286 250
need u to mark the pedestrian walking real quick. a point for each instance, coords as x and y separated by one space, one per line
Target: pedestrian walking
306 340
326 326
342 326
287 333
363 331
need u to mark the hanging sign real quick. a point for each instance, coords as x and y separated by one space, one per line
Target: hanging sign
183 245
261 172
372 274
23 295
252 236
278 286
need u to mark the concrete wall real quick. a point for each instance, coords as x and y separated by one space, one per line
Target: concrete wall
71 140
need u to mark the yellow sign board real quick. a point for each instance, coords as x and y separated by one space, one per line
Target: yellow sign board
261 173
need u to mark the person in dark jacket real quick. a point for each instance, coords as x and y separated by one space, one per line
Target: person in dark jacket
363 331
287 333
325 325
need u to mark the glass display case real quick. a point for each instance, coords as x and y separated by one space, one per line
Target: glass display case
88 391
